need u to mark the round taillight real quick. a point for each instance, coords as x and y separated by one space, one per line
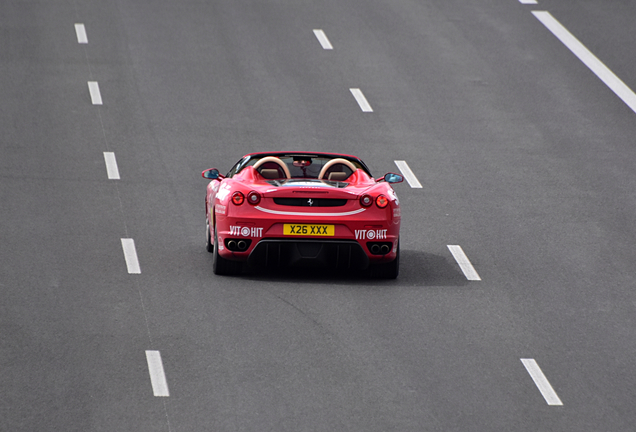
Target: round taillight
366 200
238 198
253 197
381 201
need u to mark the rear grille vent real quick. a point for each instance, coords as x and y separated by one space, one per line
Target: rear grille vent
310 202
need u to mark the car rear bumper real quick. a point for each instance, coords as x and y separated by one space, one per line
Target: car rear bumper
338 254
354 243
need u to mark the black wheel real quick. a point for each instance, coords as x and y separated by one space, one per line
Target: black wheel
208 243
221 266
389 270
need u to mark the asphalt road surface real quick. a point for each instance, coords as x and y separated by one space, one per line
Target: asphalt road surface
111 318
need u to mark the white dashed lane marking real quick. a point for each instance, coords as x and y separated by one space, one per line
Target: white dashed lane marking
362 101
408 174
541 382
528 1
96 97
590 60
130 254
322 38
111 166
157 374
464 263
80 30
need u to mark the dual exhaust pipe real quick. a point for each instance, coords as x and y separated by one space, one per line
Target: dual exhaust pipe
382 248
376 248
237 245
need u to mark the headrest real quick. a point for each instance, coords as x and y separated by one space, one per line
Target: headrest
270 173
338 176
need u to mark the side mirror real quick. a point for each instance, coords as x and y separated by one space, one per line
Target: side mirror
392 178
212 174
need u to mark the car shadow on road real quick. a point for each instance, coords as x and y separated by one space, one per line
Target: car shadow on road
417 268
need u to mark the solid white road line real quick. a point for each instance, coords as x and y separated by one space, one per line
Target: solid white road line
130 253
322 38
96 96
541 382
111 166
157 374
590 60
464 263
408 174
362 101
80 30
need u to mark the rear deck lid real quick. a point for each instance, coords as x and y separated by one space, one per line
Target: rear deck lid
310 188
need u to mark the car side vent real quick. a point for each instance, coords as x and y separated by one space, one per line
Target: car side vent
310 202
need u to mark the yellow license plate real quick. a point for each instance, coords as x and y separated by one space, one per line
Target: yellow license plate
306 229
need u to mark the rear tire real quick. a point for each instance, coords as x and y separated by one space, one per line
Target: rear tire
220 265
389 270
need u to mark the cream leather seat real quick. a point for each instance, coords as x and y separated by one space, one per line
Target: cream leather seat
332 164
270 161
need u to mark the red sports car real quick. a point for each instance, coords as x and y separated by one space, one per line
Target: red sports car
295 208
